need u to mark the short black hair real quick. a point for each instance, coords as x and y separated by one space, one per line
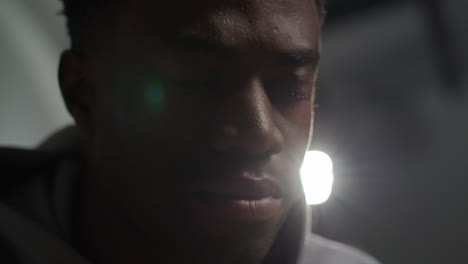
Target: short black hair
82 15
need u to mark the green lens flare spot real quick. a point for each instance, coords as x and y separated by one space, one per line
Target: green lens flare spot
154 94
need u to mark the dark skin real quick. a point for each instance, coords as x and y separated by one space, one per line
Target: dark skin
186 95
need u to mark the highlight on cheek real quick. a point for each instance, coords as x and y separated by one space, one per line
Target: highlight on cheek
154 94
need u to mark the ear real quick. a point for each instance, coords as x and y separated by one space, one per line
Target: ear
77 90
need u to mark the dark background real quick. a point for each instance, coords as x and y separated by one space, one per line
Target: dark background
392 115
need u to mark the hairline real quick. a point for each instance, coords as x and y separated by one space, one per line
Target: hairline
81 33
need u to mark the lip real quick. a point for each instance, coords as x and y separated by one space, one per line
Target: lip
243 199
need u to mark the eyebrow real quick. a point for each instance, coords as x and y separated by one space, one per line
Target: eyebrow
196 43
200 43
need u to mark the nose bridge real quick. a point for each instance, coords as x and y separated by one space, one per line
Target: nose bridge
256 109
247 121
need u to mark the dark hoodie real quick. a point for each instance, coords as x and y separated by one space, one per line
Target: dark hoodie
39 190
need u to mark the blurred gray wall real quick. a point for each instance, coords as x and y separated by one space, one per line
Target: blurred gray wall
32 35
397 133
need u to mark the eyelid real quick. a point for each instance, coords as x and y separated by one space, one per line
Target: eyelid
308 58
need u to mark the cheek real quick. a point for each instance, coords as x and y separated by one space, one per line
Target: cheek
131 132
132 158
295 126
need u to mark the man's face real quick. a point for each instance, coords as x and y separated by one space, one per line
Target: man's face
202 116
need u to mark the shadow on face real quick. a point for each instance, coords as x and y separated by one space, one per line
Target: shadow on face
197 97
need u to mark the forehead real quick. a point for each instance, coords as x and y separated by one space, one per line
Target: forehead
281 24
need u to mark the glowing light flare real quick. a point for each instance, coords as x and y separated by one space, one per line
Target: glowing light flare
317 177
154 94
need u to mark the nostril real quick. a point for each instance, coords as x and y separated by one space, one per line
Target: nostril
269 140
275 149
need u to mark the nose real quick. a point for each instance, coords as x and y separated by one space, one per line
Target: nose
246 123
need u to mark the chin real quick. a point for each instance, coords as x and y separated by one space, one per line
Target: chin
188 240
226 250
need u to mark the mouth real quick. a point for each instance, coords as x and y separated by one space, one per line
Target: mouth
238 200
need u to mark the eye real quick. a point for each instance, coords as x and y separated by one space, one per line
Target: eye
292 88
301 89
290 84
300 96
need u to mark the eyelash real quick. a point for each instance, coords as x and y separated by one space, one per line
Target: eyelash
299 89
299 96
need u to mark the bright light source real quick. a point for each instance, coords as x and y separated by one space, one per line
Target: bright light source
317 177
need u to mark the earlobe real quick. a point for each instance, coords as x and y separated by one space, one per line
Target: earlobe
76 89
